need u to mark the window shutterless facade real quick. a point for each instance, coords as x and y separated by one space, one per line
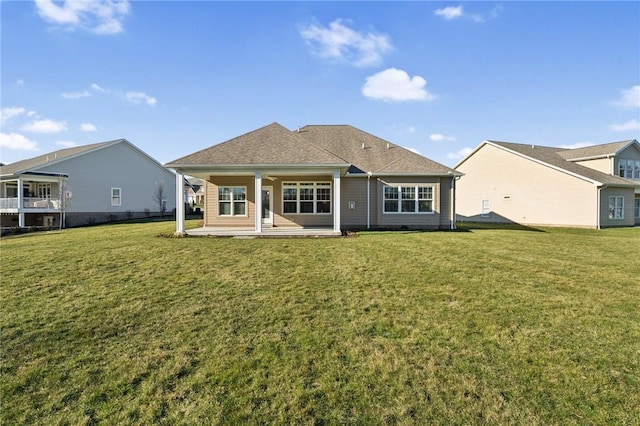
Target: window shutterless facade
629 169
408 199
232 201
116 196
306 197
616 207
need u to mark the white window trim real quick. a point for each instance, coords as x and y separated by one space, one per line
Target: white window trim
119 203
316 184
416 199
233 201
614 199
486 208
628 168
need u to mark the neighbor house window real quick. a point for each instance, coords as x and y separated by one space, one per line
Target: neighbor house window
116 196
44 190
486 208
637 208
408 199
629 169
306 197
232 201
616 207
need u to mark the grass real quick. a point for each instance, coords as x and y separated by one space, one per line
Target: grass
114 325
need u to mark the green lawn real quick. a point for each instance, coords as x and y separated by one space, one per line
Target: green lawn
115 325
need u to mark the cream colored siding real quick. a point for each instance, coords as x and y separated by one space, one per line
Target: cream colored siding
604 165
522 191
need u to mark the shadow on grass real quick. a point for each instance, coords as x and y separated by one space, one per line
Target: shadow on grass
479 226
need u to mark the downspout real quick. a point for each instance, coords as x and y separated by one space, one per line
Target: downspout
599 207
369 200
453 202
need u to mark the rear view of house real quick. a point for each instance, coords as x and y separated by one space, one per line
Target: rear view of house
87 184
592 187
332 177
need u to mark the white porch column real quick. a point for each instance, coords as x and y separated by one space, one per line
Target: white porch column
336 201
180 214
20 203
258 202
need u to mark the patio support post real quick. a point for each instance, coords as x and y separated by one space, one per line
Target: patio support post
258 202
179 203
20 203
336 203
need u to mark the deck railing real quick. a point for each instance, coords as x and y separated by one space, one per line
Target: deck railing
29 203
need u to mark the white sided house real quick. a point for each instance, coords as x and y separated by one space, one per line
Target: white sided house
592 187
83 185
317 179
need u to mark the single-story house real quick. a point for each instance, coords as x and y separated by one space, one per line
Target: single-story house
82 185
333 177
594 187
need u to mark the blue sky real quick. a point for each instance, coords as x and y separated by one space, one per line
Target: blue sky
435 77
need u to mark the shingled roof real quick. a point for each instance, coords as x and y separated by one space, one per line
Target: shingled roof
269 145
335 145
368 153
33 164
556 157
595 151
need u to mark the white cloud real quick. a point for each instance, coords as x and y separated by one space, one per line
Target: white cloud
139 97
17 142
97 88
66 144
461 153
96 16
577 145
629 125
438 137
629 98
340 42
76 95
9 113
45 126
396 85
88 127
449 12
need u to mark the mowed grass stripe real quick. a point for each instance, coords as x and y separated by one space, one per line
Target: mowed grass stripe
114 325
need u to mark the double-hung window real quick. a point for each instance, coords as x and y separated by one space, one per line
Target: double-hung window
408 199
306 197
232 200
616 207
637 208
116 196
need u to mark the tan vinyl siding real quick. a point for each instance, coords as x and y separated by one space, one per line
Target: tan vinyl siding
398 220
604 165
355 190
212 218
522 191
299 220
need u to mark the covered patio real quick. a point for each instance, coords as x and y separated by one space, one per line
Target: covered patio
264 233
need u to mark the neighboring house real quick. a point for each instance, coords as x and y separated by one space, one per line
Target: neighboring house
82 185
335 177
195 191
595 187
